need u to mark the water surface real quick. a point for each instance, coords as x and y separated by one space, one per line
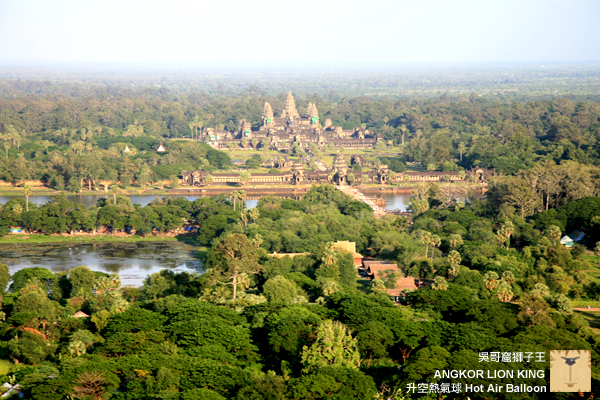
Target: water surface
90 200
132 261
393 200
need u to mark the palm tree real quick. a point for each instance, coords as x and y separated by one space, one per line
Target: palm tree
27 193
508 228
403 129
455 259
114 189
254 214
508 277
554 232
46 144
350 178
329 287
501 238
64 132
6 146
242 196
426 240
455 240
245 177
234 196
18 138
364 179
199 129
439 283
258 239
244 217
18 209
504 292
329 256
435 241
231 146
197 125
265 143
461 148
392 175
459 205
491 280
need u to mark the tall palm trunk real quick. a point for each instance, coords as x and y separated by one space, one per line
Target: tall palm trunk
234 286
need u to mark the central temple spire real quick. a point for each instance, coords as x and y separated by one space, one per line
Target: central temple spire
290 108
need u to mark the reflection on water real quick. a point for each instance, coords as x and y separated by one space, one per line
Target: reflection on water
132 261
90 200
393 200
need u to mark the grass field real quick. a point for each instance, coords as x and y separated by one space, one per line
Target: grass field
585 303
4 367
594 272
593 319
38 239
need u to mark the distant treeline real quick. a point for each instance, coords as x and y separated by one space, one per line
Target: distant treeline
531 82
66 138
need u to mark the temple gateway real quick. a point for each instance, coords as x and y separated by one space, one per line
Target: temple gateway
340 174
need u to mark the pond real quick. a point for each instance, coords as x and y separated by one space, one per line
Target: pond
90 200
393 200
132 261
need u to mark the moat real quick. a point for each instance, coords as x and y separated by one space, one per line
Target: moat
393 200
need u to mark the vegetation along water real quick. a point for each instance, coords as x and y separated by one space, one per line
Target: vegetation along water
116 285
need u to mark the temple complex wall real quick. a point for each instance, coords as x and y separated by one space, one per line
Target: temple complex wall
300 177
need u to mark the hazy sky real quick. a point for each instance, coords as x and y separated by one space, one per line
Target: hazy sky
267 31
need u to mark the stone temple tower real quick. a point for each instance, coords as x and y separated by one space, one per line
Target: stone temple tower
312 113
340 167
267 115
245 129
290 108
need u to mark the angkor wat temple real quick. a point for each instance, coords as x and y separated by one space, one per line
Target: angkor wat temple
290 128
340 174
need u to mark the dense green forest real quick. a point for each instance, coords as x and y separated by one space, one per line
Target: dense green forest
81 132
259 327
255 326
